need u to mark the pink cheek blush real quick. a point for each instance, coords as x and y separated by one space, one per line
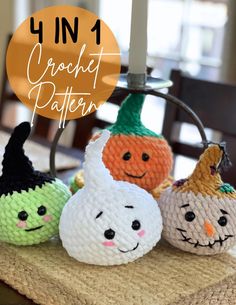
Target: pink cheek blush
21 224
141 233
47 218
108 243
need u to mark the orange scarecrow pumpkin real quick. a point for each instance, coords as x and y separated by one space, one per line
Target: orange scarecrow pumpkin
135 153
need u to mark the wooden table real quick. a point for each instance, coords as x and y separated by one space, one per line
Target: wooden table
9 296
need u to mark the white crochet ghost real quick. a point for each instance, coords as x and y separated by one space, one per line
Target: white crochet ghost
108 222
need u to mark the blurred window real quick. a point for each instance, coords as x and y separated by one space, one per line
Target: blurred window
187 31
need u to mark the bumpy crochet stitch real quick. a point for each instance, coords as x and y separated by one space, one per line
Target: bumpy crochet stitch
129 118
18 173
134 153
108 222
199 213
31 202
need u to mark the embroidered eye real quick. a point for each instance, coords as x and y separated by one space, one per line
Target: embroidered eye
127 156
42 210
189 216
145 157
23 215
136 225
222 221
109 234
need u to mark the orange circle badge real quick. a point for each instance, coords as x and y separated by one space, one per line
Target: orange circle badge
57 60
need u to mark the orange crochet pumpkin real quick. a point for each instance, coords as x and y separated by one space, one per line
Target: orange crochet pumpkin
135 153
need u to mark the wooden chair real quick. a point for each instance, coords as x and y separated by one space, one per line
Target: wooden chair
214 103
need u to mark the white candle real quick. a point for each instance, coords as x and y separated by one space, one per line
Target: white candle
138 37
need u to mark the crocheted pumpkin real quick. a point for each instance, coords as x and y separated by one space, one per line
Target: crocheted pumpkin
199 213
135 153
108 222
31 202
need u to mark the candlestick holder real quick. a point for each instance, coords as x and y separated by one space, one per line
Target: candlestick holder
143 84
141 81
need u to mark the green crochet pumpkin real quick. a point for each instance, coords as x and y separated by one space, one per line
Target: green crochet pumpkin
31 202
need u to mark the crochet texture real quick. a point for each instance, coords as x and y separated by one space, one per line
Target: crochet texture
199 213
31 202
134 153
108 222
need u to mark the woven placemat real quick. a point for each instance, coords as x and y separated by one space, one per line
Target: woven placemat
47 275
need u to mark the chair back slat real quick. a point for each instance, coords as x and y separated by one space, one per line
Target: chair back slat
214 103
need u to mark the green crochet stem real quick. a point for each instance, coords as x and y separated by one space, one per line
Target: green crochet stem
227 188
129 118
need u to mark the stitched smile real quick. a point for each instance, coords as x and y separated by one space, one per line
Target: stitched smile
33 229
197 244
138 177
125 251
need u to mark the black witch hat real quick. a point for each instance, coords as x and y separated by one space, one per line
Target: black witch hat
18 173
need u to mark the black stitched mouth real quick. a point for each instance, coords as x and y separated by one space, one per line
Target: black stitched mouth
138 177
125 251
197 244
33 229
